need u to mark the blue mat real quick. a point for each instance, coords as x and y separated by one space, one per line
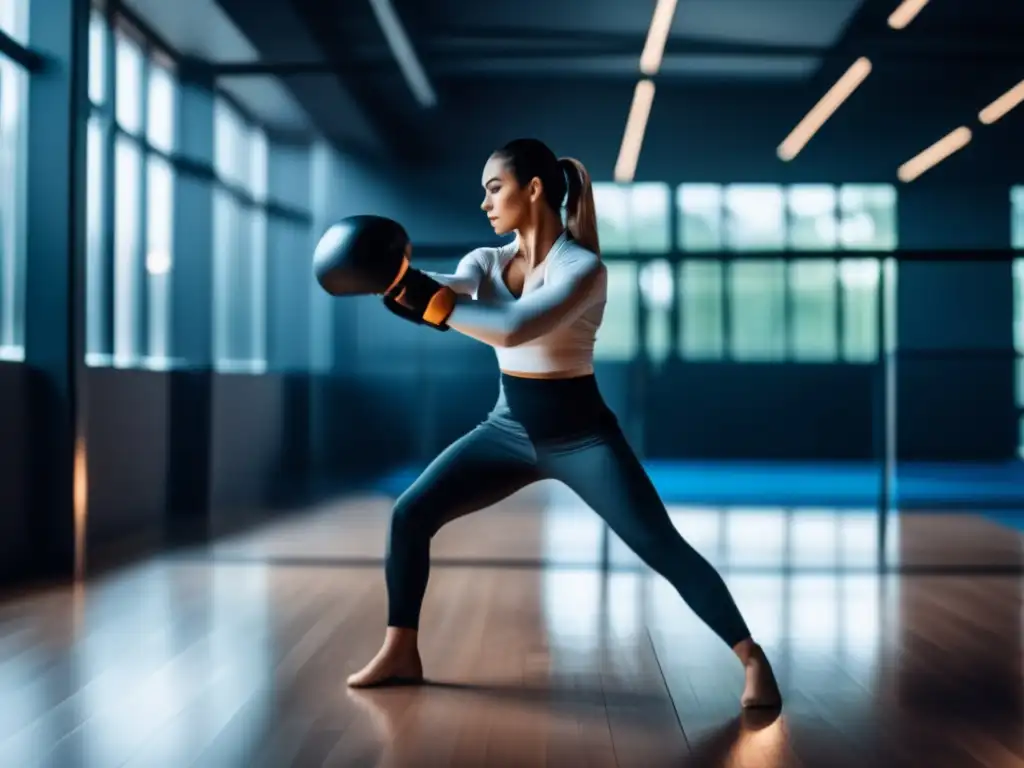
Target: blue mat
766 484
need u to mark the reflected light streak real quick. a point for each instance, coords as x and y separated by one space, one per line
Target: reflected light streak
836 614
571 534
814 610
624 604
858 539
80 484
134 675
861 617
572 609
762 601
813 536
755 537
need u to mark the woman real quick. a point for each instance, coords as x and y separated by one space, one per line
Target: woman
539 302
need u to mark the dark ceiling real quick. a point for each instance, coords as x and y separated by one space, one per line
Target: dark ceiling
334 56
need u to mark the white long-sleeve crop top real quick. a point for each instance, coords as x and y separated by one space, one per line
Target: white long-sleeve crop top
552 327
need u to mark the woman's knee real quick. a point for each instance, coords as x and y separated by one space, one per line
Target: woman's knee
664 550
413 515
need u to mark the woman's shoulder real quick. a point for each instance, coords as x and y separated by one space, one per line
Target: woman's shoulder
485 256
577 256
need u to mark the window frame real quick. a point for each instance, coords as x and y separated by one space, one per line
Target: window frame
120 20
21 61
849 349
134 349
256 214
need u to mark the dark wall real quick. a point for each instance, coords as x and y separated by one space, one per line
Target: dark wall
15 545
259 443
168 454
955 392
128 417
955 369
171 456
770 412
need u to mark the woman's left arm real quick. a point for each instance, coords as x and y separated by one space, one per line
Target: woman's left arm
468 273
565 295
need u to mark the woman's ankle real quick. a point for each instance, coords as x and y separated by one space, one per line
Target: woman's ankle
746 650
401 637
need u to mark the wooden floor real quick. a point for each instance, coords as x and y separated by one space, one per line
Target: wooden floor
236 655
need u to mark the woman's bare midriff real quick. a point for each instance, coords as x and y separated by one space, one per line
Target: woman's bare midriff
571 374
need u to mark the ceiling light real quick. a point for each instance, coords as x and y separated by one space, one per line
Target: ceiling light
657 36
998 108
636 126
906 13
824 109
935 154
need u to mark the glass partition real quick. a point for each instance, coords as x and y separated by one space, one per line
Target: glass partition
955 406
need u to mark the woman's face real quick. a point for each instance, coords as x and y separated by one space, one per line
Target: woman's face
507 205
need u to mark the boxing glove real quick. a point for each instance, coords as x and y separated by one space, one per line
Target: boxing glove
419 298
361 255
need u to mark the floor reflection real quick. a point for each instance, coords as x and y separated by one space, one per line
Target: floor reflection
733 538
242 661
398 721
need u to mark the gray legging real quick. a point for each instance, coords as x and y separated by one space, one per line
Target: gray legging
501 456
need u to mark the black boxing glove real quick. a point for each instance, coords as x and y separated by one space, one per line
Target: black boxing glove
419 298
361 255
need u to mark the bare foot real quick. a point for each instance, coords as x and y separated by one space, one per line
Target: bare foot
397 662
761 689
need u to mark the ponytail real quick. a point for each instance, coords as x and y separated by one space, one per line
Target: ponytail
581 213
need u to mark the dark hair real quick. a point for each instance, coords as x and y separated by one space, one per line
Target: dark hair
562 178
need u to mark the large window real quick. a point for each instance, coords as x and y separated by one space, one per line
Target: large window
867 217
757 303
755 218
239 243
13 137
800 217
700 218
633 218
1017 218
321 304
812 211
702 309
14 19
656 294
616 339
129 200
813 333
754 308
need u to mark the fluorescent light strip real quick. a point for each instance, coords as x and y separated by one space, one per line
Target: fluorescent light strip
633 137
935 154
657 36
998 108
824 109
906 13
403 52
